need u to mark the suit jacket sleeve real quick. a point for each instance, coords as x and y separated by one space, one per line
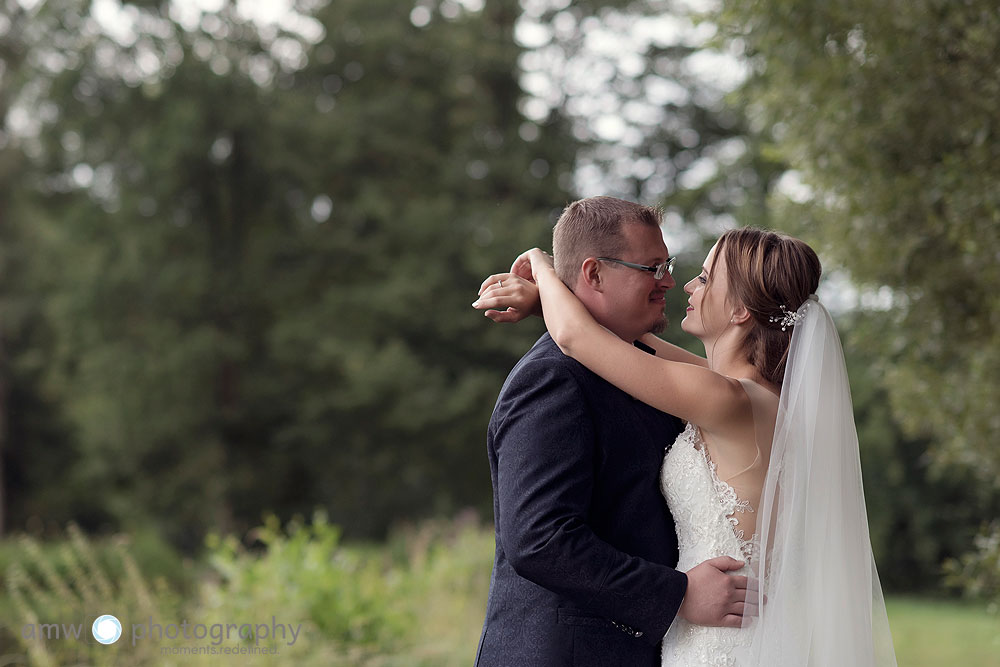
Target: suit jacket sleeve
545 445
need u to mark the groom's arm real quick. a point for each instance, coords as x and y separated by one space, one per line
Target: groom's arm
545 444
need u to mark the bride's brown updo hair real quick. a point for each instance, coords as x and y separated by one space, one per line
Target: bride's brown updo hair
767 270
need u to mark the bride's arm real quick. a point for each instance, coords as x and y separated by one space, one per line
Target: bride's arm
671 352
689 391
510 297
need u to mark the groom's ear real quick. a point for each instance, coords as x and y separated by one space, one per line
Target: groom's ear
590 274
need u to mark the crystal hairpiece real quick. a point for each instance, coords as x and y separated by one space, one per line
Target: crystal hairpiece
789 318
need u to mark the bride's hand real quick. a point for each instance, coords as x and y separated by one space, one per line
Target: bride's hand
528 263
508 297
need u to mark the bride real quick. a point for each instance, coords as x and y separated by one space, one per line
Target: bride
767 470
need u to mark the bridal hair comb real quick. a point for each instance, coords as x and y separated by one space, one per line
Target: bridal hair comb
790 318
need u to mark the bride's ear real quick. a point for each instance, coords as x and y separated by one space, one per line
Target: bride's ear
590 272
740 315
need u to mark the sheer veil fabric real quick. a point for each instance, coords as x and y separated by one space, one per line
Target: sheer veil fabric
824 605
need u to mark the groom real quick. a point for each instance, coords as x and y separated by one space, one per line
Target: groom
585 545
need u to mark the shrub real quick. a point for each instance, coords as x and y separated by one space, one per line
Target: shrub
417 600
57 590
977 573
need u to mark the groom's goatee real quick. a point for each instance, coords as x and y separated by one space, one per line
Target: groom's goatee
659 326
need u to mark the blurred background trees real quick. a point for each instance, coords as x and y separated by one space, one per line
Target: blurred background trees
889 119
886 114
252 249
237 249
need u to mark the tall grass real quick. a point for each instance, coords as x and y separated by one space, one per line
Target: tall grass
416 601
55 591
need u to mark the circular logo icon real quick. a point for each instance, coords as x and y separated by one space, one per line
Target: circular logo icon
107 629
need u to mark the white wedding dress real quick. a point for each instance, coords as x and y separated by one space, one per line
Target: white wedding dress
706 512
815 584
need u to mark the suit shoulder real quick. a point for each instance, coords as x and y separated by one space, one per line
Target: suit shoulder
544 386
544 359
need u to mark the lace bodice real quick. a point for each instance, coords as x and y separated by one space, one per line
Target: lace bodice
703 506
705 511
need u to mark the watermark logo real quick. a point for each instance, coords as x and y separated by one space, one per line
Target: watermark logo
107 629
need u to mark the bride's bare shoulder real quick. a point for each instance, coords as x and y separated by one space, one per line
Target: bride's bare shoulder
763 397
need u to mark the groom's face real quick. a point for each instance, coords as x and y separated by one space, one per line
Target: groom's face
635 298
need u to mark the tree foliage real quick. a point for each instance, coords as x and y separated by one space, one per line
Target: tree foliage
252 250
888 112
645 85
237 255
920 515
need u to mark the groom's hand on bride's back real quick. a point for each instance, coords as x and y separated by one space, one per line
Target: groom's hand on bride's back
714 597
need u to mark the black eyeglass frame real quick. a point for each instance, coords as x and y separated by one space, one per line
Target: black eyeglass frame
658 271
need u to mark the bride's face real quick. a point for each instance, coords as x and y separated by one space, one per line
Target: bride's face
708 312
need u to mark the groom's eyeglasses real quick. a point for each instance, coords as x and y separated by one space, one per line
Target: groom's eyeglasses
658 271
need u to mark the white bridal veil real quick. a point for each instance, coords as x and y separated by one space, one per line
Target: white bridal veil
821 604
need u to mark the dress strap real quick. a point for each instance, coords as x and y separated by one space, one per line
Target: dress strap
763 425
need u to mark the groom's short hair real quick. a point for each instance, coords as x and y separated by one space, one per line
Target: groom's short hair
592 227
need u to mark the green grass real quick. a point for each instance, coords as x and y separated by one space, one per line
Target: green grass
943 633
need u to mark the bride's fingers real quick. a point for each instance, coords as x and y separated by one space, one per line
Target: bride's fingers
507 304
500 298
522 267
490 300
491 281
510 315
499 281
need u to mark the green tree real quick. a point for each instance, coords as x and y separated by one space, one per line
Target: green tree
646 87
920 514
430 186
255 248
33 440
888 112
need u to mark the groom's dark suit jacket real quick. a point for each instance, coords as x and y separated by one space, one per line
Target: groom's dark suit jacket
585 545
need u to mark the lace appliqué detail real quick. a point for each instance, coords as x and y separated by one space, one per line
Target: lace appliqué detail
705 513
731 504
